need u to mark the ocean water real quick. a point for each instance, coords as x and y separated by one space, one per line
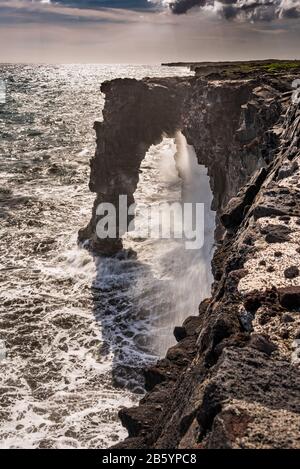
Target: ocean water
75 330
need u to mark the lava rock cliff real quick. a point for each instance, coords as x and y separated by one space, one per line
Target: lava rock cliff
232 380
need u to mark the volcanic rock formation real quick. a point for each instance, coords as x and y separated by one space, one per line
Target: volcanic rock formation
232 381
228 121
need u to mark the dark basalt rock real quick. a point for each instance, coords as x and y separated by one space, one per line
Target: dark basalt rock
276 233
192 324
262 344
291 272
137 114
179 333
266 211
139 422
287 318
232 380
289 297
237 207
238 391
249 385
287 170
246 318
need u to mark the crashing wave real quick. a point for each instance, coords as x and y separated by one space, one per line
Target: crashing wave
244 10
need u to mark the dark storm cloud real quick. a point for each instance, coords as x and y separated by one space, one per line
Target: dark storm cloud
45 11
126 4
48 32
182 6
244 10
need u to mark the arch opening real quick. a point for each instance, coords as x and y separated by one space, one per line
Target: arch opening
154 284
179 277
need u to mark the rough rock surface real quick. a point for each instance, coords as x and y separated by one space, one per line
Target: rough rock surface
242 387
232 380
231 123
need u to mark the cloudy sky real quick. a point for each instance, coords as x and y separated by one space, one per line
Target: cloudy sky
147 31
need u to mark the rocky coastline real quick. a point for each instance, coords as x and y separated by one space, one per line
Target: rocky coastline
232 380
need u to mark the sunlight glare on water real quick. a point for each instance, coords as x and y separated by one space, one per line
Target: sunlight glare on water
73 327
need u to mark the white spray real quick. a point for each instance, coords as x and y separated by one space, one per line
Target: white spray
179 278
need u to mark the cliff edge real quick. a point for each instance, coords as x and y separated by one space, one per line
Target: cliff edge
232 381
